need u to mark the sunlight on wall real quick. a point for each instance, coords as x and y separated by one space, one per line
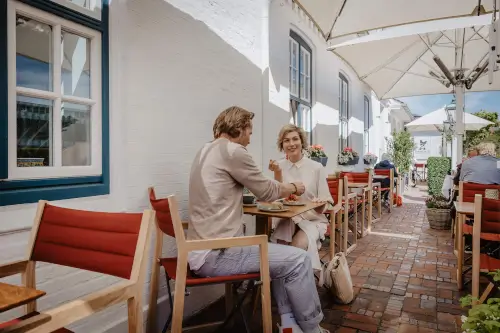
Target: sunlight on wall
324 115
240 28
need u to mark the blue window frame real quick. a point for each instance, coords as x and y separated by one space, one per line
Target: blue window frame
19 191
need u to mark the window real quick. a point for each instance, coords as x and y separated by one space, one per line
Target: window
90 8
54 110
344 111
300 82
367 125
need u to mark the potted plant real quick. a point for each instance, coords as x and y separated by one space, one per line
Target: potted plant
348 157
370 159
482 318
317 153
438 212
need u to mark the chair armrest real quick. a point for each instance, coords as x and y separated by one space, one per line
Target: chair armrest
71 312
221 243
351 195
185 224
13 268
336 208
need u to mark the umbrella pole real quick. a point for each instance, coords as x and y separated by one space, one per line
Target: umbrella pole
459 126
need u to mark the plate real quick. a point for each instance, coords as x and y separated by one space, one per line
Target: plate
274 210
293 203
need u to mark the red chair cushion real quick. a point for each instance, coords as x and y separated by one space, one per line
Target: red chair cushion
93 241
163 216
20 319
170 266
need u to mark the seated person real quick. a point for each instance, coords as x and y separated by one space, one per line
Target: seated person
471 153
483 168
220 171
385 164
306 230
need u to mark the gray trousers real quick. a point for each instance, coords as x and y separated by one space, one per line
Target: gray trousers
292 278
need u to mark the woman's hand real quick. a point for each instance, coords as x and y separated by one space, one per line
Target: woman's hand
274 166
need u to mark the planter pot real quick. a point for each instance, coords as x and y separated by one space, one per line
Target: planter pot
439 218
322 160
351 162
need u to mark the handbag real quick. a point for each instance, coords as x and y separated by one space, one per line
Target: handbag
337 278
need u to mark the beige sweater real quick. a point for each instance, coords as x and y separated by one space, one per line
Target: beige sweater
219 173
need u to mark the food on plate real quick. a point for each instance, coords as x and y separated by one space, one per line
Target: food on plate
292 198
272 206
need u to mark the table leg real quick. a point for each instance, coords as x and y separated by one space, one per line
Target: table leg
460 256
262 225
370 211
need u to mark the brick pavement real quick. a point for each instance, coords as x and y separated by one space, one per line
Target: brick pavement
403 275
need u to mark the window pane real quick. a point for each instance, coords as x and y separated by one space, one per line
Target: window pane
75 67
88 4
307 64
294 82
33 54
307 88
301 86
301 60
75 122
34 132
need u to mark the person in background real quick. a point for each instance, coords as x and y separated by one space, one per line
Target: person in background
483 168
471 153
220 171
385 163
306 230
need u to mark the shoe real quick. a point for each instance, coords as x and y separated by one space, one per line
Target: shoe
292 329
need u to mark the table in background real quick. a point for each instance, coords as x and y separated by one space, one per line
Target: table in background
12 296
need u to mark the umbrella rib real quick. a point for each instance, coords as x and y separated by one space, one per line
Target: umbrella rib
335 19
416 59
391 59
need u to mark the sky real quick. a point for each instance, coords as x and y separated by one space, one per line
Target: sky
474 102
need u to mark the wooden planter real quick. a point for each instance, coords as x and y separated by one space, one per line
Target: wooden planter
439 218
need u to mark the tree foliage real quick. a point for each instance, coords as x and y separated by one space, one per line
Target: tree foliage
472 138
401 147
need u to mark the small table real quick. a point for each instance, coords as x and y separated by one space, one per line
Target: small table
262 218
463 209
12 296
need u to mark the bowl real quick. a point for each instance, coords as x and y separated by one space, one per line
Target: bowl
248 199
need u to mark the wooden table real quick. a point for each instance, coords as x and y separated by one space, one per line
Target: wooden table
463 209
262 219
12 296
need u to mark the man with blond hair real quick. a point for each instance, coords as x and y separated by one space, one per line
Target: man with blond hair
220 171
483 168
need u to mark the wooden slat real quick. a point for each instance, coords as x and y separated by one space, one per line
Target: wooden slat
12 296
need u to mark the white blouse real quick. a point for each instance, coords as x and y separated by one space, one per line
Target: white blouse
313 175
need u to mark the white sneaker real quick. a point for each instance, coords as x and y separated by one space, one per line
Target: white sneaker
292 329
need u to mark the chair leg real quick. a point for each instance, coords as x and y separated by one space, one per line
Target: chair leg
237 307
171 303
180 287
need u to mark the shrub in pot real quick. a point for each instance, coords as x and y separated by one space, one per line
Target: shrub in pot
317 153
438 212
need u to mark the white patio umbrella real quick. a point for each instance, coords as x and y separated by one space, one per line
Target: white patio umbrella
435 120
418 62
338 18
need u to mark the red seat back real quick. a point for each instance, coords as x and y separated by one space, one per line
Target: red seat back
333 186
383 172
95 241
163 215
469 190
356 177
490 216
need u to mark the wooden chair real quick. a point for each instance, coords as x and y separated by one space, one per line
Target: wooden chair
336 233
365 198
486 228
108 243
176 268
390 174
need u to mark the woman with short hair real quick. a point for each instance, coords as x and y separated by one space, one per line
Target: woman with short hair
308 229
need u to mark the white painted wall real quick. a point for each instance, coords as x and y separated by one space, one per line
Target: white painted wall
174 66
434 145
